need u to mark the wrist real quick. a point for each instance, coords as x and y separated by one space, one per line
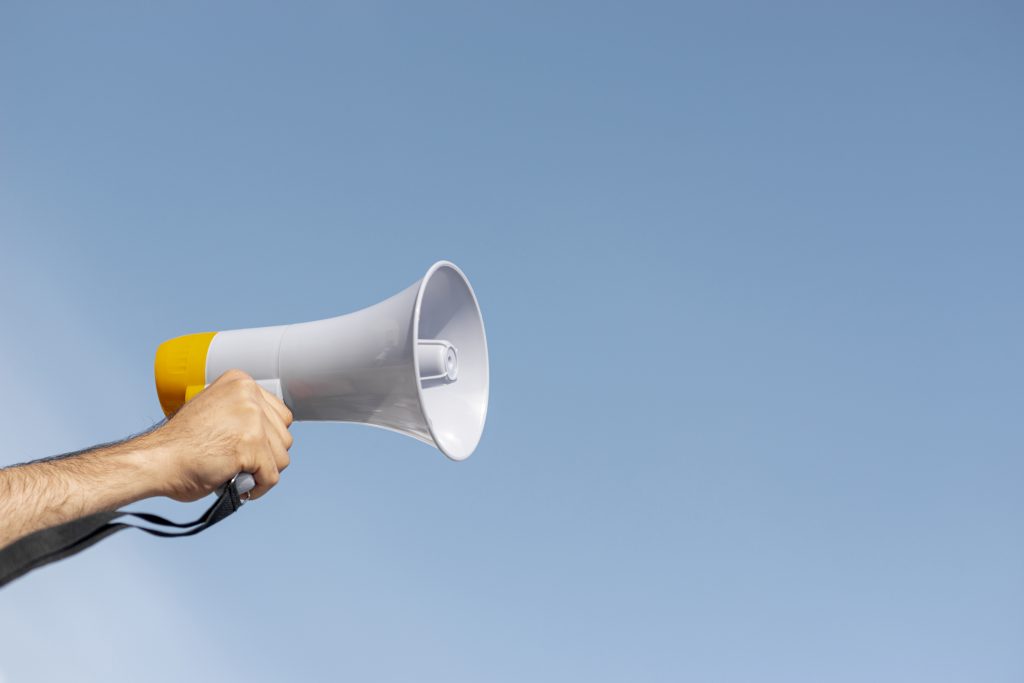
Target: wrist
143 461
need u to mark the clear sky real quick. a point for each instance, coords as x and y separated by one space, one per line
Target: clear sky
752 280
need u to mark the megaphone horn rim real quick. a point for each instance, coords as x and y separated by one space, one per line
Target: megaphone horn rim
441 444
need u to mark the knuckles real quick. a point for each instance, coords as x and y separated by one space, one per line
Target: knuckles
236 375
252 436
249 409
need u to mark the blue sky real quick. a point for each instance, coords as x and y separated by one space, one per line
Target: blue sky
751 277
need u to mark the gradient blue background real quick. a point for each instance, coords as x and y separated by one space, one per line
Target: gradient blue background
752 279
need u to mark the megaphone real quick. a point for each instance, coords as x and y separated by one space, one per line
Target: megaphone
415 363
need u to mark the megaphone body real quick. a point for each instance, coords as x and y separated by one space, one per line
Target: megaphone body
415 363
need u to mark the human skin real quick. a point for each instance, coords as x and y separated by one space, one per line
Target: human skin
233 426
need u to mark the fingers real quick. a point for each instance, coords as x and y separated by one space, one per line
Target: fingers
267 463
267 457
276 417
279 439
277 405
265 473
275 422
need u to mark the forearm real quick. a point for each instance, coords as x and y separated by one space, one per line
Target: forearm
232 426
48 492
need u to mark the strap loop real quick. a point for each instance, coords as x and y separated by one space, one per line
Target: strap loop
64 540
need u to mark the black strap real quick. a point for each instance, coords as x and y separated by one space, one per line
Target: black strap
64 540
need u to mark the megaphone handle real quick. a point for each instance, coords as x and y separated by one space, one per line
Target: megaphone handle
243 483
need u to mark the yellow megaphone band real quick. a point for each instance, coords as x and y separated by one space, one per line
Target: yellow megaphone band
180 369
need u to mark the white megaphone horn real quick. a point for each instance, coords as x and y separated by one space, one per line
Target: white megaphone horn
415 363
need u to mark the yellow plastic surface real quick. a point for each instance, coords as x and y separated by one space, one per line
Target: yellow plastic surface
180 369
191 390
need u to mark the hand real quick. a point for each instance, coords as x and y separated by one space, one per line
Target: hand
232 426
